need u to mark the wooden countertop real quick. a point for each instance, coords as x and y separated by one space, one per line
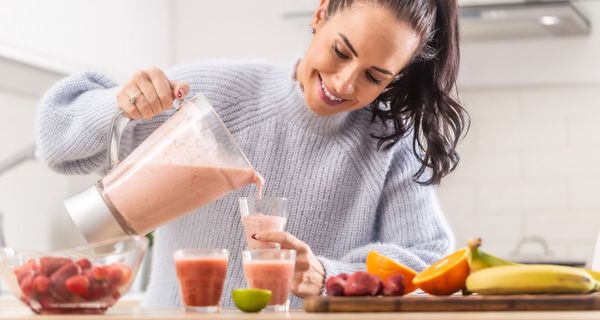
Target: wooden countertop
118 313
10 308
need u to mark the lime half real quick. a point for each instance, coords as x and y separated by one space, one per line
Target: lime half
251 300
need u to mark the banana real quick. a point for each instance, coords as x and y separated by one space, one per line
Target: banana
594 274
480 259
531 279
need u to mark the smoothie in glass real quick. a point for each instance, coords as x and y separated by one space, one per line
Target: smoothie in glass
271 269
256 223
201 274
262 214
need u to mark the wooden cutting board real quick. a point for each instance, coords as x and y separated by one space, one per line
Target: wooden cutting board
427 303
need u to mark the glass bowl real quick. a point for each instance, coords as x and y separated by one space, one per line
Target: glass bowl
85 279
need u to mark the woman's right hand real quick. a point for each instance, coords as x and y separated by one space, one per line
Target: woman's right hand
153 92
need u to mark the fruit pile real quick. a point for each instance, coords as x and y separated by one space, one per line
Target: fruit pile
384 276
53 281
364 284
469 270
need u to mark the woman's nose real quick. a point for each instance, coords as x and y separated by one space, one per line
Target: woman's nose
344 82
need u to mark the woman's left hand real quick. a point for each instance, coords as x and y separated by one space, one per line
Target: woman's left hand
309 274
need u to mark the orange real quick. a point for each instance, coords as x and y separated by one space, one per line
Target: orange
383 267
445 276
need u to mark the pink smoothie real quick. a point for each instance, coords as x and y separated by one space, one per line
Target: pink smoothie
148 196
259 222
180 167
271 275
201 280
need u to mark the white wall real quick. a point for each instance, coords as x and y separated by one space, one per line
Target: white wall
112 35
239 29
31 194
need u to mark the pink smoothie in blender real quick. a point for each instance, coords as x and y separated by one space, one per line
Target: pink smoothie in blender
188 162
169 190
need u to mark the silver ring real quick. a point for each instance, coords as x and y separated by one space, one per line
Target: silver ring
133 99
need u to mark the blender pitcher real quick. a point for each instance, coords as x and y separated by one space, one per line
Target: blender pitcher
188 162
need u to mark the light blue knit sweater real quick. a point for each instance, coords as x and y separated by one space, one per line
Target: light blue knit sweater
347 198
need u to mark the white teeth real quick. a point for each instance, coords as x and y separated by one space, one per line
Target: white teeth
329 94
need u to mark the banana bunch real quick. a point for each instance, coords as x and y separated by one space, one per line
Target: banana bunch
480 259
491 275
531 279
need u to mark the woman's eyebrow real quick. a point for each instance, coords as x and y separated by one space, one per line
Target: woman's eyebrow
347 42
382 70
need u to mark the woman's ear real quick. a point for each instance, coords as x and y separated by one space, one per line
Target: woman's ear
320 14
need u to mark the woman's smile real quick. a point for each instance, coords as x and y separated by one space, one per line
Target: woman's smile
326 94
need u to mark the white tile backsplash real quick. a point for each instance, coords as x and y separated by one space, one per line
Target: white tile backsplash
497 135
458 197
585 194
530 168
522 195
491 105
489 166
497 234
584 132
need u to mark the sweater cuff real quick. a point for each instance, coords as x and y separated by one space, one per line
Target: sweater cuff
73 121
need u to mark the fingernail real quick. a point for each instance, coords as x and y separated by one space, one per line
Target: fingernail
253 236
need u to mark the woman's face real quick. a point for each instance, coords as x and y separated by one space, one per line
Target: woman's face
353 56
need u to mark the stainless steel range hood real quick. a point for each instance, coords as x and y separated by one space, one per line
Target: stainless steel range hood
522 20
505 19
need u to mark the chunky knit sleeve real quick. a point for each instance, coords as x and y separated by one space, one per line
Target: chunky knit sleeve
73 120
74 116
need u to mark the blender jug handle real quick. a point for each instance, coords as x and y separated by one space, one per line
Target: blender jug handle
117 125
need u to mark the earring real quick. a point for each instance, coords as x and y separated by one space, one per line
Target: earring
312 29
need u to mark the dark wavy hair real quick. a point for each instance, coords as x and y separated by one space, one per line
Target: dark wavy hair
420 97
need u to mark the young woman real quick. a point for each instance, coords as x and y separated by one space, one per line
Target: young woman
355 133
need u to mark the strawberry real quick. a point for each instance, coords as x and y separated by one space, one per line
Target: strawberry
97 290
343 276
41 283
394 285
22 273
362 283
30 267
59 277
26 284
84 263
47 302
118 274
48 265
100 272
78 284
335 286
